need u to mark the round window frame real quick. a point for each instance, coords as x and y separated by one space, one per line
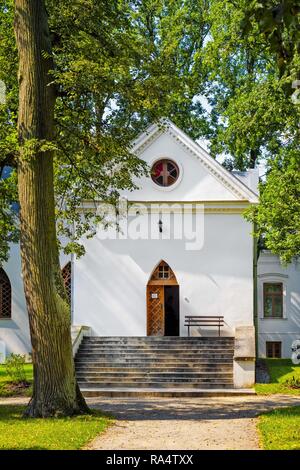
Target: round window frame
178 180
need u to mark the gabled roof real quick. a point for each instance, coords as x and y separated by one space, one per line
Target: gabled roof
231 182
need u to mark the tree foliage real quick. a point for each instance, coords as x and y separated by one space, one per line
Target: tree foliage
278 216
252 61
119 66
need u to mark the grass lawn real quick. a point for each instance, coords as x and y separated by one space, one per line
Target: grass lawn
51 433
280 429
279 370
8 388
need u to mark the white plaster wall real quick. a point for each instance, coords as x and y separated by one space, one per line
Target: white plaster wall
244 373
287 329
110 280
14 332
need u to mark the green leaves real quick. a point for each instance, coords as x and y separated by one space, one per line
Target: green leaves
119 66
252 61
8 215
278 215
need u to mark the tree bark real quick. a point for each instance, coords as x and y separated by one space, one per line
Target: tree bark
253 158
55 391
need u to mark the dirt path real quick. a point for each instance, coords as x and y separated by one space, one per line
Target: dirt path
185 423
14 400
181 423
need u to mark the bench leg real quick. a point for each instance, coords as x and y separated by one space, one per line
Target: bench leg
189 331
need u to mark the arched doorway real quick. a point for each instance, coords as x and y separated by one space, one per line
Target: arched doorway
163 302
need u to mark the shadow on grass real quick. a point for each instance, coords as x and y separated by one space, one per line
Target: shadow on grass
278 369
57 433
272 376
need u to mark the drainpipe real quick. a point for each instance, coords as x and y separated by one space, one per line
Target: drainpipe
255 309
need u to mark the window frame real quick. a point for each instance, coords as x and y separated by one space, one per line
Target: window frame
273 278
273 345
273 296
163 271
154 161
4 275
66 272
164 162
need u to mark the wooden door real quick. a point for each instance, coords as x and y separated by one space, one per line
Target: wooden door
155 310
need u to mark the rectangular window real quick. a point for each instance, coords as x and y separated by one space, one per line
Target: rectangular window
273 349
273 300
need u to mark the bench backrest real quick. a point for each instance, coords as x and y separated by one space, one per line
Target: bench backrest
204 319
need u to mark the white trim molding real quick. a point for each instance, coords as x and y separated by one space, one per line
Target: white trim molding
272 275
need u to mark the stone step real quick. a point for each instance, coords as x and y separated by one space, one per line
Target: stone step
154 348
145 354
171 392
138 361
158 381
154 363
161 354
152 339
152 375
154 344
144 384
158 369
162 339
150 362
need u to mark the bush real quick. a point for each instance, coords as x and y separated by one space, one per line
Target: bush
293 382
15 368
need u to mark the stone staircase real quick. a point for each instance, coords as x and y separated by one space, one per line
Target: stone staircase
155 366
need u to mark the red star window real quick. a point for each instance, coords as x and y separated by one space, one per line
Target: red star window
164 172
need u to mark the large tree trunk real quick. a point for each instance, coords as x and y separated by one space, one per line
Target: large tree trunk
55 391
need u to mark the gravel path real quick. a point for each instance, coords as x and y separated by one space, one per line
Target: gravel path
181 423
185 423
14 401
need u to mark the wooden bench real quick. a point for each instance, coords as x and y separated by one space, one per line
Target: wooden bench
209 320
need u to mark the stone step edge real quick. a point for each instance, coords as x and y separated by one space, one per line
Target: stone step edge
183 353
89 347
153 374
143 364
185 340
96 369
158 384
158 338
167 393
